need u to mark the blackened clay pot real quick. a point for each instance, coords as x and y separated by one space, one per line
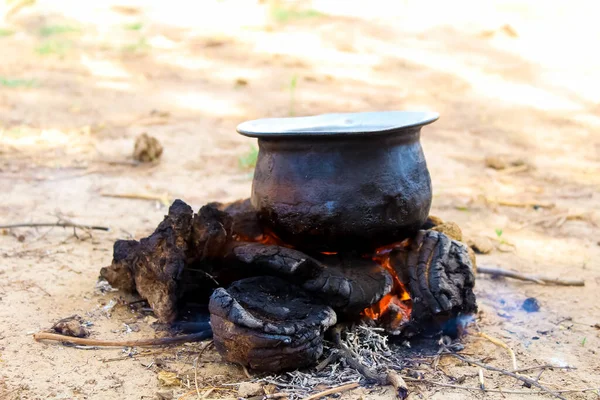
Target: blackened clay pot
341 181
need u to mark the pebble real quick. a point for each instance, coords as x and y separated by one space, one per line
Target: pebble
249 389
531 305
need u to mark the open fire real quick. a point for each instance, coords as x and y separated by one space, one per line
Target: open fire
337 231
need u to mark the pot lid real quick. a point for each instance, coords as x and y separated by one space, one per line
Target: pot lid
345 124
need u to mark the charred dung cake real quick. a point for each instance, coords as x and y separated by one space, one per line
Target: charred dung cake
336 231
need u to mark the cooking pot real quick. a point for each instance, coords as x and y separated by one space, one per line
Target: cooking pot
341 181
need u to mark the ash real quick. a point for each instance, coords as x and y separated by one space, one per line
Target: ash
369 345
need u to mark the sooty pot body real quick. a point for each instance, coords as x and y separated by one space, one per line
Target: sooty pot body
342 191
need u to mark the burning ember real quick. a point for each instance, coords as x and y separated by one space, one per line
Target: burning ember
397 302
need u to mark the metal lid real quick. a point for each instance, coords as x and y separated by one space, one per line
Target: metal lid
346 124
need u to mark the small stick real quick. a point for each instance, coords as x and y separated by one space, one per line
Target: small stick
337 389
481 382
276 395
270 396
522 378
525 204
541 280
513 170
548 218
353 360
163 199
500 343
395 379
334 356
196 378
59 224
194 337
507 391
546 366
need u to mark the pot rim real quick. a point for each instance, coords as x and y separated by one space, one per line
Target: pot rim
337 124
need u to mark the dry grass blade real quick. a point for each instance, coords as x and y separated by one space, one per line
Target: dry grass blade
502 344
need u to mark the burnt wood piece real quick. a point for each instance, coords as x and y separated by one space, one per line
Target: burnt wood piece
155 263
439 275
268 324
348 284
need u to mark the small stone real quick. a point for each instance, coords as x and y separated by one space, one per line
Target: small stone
495 162
531 305
481 244
270 389
168 378
249 389
147 148
71 326
503 162
164 395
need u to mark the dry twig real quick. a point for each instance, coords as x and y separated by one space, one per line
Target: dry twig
520 204
507 391
162 199
525 379
545 366
481 381
396 380
352 358
194 337
541 280
554 217
270 396
53 224
513 170
337 389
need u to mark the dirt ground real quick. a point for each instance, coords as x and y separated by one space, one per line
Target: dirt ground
80 80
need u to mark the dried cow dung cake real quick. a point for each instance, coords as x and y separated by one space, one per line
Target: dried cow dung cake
439 275
348 284
268 324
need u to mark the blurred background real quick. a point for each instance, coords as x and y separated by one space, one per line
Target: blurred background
514 157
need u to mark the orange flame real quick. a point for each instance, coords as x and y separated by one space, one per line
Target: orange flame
399 296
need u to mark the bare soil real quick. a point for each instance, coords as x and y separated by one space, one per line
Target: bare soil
80 80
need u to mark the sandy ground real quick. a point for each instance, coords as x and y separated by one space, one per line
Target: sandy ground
78 82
